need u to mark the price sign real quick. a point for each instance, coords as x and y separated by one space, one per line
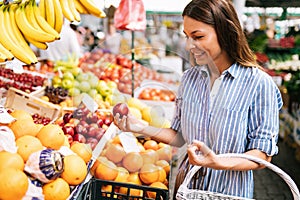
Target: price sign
89 103
128 141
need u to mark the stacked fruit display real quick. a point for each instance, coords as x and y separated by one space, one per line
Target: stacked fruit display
156 94
27 152
150 166
24 81
26 22
117 68
85 126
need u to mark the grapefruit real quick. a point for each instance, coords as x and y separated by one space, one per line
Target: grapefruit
115 152
21 114
13 185
132 161
11 160
83 150
27 145
106 170
156 185
56 190
149 173
24 127
75 170
51 136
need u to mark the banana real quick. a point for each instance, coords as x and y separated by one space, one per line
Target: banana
5 53
59 17
80 8
93 8
20 51
40 45
50 13
43 23
28 30
66 10
75 13
42 8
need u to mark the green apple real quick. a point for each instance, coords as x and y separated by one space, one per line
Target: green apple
105 91
68 75
82 77
84 86
93 93
74 91
98 98
93 80
67 83
56 80
75 71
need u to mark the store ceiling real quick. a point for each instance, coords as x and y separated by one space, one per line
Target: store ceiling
272 3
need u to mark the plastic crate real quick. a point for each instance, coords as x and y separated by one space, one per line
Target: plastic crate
92 191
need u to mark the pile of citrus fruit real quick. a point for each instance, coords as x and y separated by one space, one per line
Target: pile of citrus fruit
150 166
21 177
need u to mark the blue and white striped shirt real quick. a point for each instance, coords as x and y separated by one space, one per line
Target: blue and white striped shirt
244 115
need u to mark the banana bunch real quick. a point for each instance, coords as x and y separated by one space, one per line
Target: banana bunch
88 7
12 39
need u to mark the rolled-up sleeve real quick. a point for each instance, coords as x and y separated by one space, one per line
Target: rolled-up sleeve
264 118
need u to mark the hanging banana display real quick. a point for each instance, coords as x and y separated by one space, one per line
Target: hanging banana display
27 22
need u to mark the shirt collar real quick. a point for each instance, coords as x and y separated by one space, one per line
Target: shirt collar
233 70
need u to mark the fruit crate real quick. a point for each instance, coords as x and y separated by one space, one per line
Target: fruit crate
92 190
17 99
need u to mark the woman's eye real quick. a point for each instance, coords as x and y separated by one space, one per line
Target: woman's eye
197 37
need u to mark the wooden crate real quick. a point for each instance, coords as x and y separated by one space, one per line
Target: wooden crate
17 99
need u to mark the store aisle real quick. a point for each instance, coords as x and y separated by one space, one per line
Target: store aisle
268 185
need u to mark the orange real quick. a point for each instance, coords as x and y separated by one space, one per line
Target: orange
13 185
83 150
123 174
115 152
51 136
151 144
56 190
162 174
132 161
164 164
11 160
149 156
96 163
132 191
27 145
21 114
75 170
156 185
134 178
149 173
24 127
106 170
165 153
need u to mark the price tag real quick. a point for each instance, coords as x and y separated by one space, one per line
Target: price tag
89 102
128 141
5 118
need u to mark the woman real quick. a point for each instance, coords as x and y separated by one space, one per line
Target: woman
225 102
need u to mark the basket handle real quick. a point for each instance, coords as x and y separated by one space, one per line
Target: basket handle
280 172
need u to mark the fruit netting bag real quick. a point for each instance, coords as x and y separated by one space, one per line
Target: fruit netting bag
130 15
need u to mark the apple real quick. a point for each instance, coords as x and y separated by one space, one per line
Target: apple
80 129
84 86
120 108
92 142
79 137
74 91
82 77
56 80
92 118
68 75
68 130
92 131
67 116
100 133
70 138
100 122
67 83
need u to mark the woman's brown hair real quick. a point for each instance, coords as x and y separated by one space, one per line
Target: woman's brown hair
222 16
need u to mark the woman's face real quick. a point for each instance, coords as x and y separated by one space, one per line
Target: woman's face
202 41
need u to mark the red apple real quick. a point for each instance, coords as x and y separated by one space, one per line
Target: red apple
92 131
100 133
100 122
81 129
70 138
67 116
120 108
92 142
68 130
79 137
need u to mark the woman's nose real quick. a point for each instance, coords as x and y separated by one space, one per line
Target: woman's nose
190 43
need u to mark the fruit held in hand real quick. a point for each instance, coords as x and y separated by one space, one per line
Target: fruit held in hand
120 108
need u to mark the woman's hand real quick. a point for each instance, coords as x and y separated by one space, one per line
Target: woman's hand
200 154
129 123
